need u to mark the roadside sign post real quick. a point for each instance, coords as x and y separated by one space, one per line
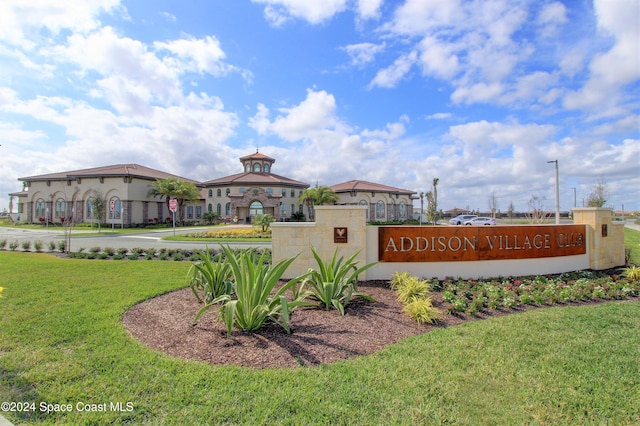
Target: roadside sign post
112 207
173 206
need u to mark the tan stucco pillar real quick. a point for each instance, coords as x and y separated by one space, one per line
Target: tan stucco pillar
605 238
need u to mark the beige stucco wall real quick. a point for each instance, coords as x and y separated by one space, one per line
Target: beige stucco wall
290 239
293 238
606 239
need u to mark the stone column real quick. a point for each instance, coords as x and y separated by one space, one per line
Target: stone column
605 238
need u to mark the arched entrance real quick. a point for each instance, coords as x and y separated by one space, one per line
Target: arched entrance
255 209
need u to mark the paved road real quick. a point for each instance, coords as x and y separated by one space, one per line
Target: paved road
144 240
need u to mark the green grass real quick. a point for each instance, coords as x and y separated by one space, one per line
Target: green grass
632 241
61 341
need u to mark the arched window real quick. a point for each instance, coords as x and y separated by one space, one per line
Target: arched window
227 191
210 207
255 208
91 208
266 168
211 193
115 214
219 209
379 210
40 208
257 168
283 209
60 208
247 167
227 209
219 192
402 210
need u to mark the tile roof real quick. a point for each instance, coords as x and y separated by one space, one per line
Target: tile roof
250 178
364 186
257 156
134 170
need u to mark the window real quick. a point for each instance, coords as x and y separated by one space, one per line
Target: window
190 212
241 191
40 209
210 207
198 212
266 168
227 191
379 210
90 208
227 209
293 193
270 191
116 211
402 210
283 209
284 192
60 208
219 192
293 208
247 167
211 193
257 168
219 209
255 208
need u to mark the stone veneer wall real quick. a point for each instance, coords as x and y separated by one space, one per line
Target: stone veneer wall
292 238
605 238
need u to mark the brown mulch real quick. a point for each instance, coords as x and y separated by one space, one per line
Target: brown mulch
165 323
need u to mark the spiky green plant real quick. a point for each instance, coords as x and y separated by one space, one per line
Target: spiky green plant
423 311
632 273
210 278
257 298
398 279
413 288
335 283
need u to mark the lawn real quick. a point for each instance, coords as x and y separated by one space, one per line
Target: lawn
61 342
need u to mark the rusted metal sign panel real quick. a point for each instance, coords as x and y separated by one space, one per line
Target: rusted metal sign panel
442 244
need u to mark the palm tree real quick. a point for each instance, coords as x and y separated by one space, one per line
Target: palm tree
181 190
317 196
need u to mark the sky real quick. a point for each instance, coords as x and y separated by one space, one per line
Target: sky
478 94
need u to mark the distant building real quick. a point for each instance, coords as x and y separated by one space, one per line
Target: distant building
384 203
255 191
239 197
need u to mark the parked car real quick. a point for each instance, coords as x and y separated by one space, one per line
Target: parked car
481 221
460 219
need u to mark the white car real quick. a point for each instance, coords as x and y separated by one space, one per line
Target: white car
460 219
481 221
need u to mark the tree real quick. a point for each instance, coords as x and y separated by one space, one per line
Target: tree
432 203
536 212
181 190
317 196
511 210
493 204
99 204
264 221
210 217
599 194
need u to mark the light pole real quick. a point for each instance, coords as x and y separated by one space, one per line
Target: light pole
557 193
421 206
575 200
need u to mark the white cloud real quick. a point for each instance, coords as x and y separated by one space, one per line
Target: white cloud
363 53
279 11
619 20
21 20
439 116
390 76
438 58
314 115
368 9
198 55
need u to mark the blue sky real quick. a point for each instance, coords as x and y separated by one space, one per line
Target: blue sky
477 94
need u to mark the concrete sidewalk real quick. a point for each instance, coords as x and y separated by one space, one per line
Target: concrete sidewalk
4 422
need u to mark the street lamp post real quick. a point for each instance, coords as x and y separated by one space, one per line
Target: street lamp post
557 193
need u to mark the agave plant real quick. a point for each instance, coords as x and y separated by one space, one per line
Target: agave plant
256 298
632 273
335 283
211 279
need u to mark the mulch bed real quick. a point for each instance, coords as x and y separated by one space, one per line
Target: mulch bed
165 323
